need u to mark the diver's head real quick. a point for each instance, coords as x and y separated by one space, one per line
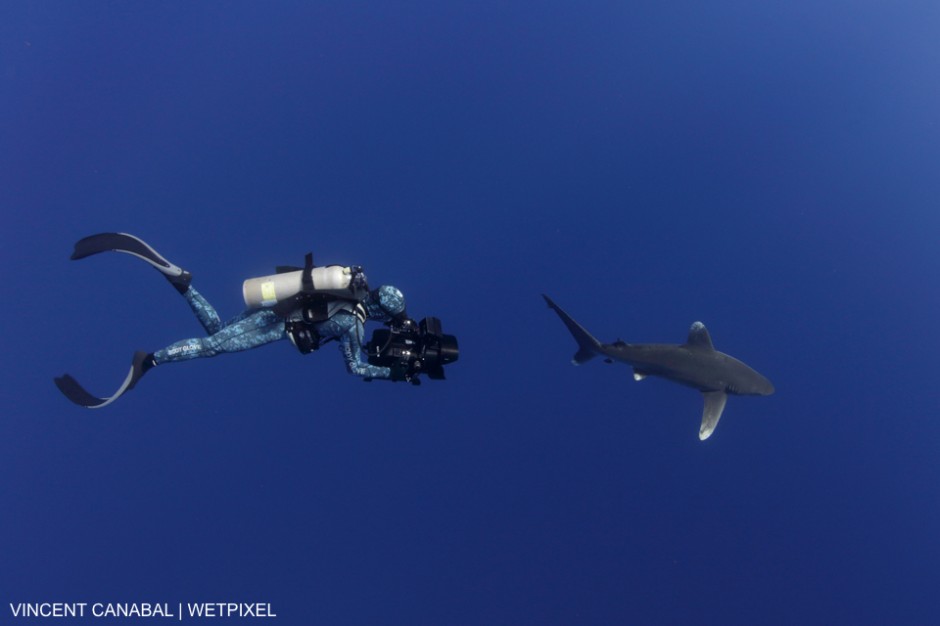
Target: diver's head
385 303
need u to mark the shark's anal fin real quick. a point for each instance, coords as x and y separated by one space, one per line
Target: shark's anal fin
638 375
714 405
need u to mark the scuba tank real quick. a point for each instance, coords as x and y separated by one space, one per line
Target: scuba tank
346 283
306 296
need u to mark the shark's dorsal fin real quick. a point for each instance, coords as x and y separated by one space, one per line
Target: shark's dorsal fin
699 337
714 405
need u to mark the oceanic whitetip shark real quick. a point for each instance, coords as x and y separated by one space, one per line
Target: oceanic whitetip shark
694 363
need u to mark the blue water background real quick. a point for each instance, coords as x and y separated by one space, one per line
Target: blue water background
770 169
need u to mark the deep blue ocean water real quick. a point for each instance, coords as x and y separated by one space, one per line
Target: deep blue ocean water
768 168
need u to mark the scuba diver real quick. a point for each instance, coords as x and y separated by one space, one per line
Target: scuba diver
308 305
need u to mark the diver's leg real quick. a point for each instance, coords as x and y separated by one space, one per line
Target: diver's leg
204 311
250 331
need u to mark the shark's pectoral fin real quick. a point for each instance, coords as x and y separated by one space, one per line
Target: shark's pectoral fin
714 405
638 375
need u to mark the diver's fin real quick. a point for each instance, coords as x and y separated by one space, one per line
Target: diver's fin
76 393
588 346
714 405
129 244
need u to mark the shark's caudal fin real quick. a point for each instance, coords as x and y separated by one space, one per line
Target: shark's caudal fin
714 405
588 346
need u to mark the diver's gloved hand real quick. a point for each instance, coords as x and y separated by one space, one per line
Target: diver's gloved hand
399 372
404 372
358 281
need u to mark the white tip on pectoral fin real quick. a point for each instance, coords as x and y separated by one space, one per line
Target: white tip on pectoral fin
714 405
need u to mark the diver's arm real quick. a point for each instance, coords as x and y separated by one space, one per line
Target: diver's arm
351 347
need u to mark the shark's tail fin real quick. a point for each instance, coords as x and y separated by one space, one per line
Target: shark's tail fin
588 346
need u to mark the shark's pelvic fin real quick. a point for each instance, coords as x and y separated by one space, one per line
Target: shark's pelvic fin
699 337
638 375
588 346
714 405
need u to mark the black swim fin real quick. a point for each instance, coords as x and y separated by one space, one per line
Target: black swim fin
70 388
129 244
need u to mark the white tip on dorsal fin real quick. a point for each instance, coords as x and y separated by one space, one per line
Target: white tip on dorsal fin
638 375
699 337
714 405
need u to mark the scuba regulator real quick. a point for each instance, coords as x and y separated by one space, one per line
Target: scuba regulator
411 348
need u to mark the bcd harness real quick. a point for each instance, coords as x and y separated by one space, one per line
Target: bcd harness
310 307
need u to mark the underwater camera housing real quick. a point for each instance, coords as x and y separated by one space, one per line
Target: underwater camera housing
422 348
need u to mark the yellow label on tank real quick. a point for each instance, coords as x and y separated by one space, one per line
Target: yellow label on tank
268 295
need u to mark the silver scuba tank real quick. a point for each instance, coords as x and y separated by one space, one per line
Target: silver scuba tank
335 280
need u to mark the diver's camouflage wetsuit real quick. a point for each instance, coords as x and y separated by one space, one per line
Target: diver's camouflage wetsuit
254 328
